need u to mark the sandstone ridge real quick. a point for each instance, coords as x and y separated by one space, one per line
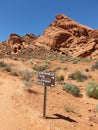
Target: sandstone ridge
15 44
63 35
66 35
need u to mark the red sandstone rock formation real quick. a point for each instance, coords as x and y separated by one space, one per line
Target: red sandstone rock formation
64 34
17 42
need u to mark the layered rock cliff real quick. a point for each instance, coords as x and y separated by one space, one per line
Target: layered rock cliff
63 35
66 35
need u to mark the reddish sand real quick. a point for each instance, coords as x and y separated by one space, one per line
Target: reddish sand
23 110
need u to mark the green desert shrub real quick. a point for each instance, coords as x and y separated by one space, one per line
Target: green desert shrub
2 64
40 67
65 68
60 78
26 75
57 68
71 88
95 66
86 59
27 83
74 62
92 90
5 66
77 75
15 73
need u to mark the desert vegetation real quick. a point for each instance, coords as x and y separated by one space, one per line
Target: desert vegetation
95 66
77 75
73 85
5 66
92 90
72 89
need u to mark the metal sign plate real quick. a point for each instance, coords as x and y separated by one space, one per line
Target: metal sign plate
46 78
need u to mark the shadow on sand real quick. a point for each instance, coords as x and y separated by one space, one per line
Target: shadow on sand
59 116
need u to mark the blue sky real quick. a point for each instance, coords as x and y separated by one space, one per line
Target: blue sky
34 16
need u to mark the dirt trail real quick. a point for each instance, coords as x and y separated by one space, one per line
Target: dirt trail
22 110
10 118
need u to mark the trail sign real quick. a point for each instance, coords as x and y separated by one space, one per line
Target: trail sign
46 78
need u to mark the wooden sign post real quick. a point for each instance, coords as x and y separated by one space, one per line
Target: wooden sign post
44 103
46 79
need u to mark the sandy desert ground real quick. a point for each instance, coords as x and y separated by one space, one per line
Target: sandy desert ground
21 106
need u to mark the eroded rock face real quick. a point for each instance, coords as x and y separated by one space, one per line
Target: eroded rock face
93 34
17 42
64 34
